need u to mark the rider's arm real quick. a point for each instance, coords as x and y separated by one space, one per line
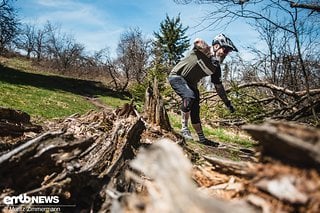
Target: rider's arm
222 93
216 80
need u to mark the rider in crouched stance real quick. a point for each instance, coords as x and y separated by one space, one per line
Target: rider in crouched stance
203 60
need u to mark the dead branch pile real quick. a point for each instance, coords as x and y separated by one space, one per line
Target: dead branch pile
287 104
103 162
277 102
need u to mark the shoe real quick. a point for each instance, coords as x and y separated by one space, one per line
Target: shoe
210 143
186 134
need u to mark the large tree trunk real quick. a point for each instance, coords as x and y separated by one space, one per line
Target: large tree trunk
76 162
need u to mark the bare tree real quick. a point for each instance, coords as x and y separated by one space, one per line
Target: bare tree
108 66
132 56
26 39
41 36
62 48
111 69
312 6
8 24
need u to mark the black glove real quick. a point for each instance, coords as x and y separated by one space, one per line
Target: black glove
230 107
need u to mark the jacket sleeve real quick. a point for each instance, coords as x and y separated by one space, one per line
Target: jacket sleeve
222 94
216 76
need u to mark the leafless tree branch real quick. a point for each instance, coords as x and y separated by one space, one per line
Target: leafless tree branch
313 7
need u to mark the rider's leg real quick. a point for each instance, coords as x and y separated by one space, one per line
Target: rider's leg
185 114
196 123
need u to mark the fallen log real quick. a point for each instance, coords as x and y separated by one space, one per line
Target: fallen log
245 169
289 142
168 184
76 163
15 123
94 163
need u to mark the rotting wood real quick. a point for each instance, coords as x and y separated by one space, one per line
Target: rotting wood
283 188
28 145
15 123
14 115
245 169
154 109
170 187
290 142
88 167
76 163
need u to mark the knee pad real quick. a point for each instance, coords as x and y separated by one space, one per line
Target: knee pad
186 104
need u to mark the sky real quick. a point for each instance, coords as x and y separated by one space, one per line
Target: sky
98 24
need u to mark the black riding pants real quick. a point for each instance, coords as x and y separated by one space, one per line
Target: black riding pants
187 92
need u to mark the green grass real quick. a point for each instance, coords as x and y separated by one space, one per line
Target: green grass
113 101
226 135
175 121
45 96
19 64
44 103
220 134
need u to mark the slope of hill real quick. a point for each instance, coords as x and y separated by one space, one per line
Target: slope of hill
48 96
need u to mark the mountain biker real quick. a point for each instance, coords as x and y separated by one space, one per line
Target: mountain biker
203 60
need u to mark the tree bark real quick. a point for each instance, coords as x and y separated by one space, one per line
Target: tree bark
289 142
313 7
155 111
77 162
15 122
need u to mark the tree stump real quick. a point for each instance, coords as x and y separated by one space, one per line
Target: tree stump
154 109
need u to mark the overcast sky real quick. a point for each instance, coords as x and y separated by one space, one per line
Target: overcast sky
98 23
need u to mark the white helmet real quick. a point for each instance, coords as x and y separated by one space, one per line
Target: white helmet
224 41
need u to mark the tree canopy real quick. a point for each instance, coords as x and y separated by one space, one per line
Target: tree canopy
171 40
8 23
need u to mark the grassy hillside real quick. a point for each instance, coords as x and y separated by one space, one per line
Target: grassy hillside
46 96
